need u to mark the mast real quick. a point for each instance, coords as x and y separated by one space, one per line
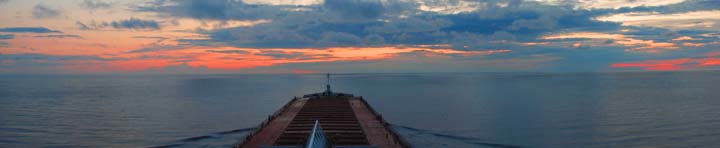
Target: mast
327 87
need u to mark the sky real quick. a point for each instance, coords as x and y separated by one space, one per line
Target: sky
357 36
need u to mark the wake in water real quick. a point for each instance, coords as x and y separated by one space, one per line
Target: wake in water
411 133
219 139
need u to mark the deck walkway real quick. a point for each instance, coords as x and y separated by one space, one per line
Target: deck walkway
377 132
271 131
346 120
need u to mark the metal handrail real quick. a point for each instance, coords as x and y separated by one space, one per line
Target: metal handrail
266 121
397 138
317 137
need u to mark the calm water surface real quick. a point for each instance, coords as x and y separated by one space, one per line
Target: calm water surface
644 109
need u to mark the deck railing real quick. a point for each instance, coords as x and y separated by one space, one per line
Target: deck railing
267 121
317 137
396 138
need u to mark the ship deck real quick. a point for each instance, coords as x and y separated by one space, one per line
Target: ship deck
348 121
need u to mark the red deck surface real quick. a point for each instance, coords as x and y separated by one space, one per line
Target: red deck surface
346 120
267 135
376 130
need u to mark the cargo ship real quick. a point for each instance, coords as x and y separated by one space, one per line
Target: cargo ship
325 120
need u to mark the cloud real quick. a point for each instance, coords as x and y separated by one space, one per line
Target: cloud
701 20
688 44
82 26
136 24
198 8
633 44
339 39
95 4
150 37
158 39
59 36
93 25
264 35
355 10
229 58
285 2
46 57
706 60
283 54
212 9
130 24
41 11
585 35
615 4
28 30
338 23
450 6
229 51
374 39
6 36
410 25
419 61
544 22
672 64
684 38
155 47
3 1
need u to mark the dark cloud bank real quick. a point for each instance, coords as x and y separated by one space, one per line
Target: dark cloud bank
368 23
42 11
95 4
28 30
127 24
374 22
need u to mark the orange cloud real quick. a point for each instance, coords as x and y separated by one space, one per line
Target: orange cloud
577 45
671 64
693 44
713 54
586 35
534 43
683 38
231 58
648 46
632 44
655 65
703 20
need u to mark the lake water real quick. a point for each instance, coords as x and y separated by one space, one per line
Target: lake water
640 109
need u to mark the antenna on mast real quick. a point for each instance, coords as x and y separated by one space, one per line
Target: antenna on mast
327 87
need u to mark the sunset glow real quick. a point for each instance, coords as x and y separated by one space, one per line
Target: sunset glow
236 36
